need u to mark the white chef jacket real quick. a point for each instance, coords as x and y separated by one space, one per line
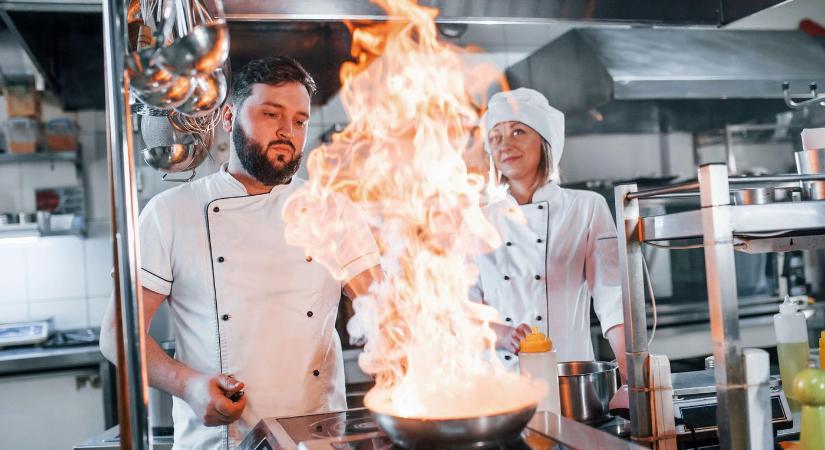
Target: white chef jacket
558 251
246 303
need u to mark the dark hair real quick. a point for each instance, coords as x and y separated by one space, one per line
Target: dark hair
274 71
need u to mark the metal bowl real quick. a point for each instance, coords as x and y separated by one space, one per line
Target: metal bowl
585 389
200 52
174 158
496 430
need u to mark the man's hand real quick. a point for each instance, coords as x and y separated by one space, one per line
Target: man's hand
208 396
509 338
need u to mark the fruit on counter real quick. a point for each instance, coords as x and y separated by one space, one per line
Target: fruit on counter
809 390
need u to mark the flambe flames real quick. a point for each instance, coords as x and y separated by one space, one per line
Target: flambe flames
414 104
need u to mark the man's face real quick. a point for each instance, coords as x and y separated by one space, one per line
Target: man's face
269 131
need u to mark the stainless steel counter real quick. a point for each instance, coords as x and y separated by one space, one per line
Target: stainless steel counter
572 434
353 429
29 359
110 440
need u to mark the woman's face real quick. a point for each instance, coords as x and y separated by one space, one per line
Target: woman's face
516 150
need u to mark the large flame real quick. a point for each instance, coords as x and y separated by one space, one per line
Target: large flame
414 104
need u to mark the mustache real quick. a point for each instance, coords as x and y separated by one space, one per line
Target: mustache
282 142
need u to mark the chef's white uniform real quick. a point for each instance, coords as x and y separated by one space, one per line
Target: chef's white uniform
558 251
246 303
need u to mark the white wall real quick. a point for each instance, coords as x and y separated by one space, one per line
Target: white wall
65 277
625 156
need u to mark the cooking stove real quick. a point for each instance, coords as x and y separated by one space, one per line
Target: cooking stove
355 429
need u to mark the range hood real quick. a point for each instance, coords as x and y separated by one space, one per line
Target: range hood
64 37
648 79
14 63
694 12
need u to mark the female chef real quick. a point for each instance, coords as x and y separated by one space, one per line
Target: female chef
559 245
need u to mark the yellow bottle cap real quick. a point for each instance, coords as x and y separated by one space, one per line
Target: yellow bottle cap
536 342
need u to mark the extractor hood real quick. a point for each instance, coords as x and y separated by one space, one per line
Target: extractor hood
64 37
15 66
644 79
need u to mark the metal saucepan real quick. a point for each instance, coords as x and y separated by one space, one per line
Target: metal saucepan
753 196
585 389
811 162
416 433
786 194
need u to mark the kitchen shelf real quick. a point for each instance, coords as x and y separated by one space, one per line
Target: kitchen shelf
771 220
31 230
9 158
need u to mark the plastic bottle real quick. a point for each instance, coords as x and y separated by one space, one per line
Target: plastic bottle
537 359
791 346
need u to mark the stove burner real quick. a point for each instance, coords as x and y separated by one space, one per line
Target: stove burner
365 426
338 426
356 430
383 443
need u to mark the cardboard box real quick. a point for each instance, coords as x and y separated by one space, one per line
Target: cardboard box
22 134
22 101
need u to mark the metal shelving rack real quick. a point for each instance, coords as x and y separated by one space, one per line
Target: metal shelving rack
773 227
10 158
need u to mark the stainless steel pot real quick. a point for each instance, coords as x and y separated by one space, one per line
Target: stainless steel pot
585 389
811 162
753 196
787 194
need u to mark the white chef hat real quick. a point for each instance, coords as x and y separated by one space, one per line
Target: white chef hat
531 108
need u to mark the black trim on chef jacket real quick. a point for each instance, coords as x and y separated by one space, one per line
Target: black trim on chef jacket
153 273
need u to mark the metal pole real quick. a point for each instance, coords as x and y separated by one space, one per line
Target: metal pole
731 384
791 177
135 433
635 316
673 188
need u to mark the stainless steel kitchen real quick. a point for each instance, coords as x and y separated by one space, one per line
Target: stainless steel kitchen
412 224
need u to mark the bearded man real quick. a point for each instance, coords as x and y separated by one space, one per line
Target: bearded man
254 317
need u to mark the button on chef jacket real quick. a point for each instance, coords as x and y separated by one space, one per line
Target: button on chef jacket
246 303
557 251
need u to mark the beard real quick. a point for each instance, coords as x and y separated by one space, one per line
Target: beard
254 160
